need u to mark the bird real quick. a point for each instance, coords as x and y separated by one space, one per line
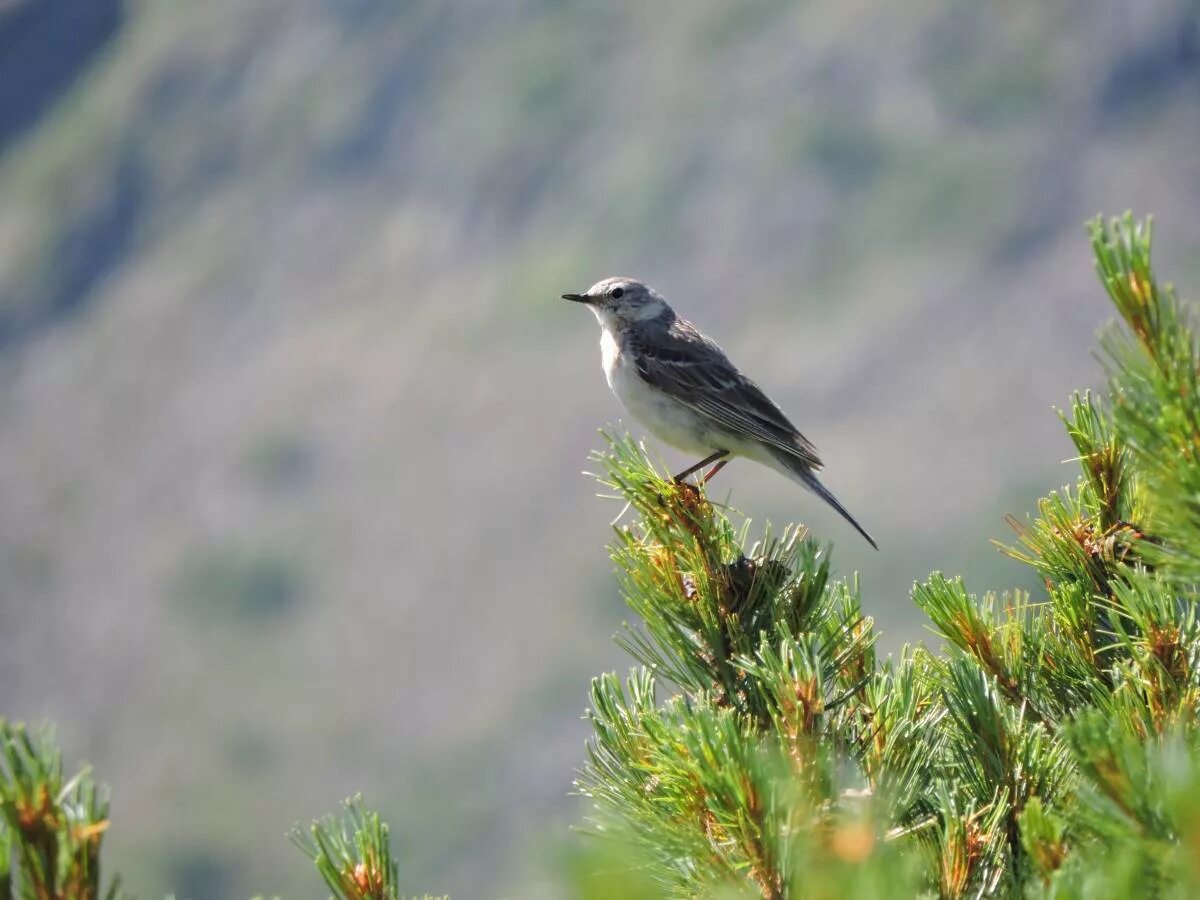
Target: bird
683 388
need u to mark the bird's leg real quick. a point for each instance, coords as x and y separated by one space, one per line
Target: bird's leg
700 465
713 471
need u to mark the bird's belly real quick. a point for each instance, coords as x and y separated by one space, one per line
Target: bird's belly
666 418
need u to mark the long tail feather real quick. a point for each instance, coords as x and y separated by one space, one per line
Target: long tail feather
808 478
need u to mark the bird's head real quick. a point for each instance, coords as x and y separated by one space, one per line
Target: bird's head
620 302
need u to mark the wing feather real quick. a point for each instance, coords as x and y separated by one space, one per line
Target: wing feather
682 362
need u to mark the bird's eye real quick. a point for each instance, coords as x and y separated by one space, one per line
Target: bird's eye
618 293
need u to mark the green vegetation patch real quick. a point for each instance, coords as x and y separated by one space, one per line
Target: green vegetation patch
237 585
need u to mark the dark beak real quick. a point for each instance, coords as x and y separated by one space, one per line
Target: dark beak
578 298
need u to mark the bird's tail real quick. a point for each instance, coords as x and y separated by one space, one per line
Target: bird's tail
805 475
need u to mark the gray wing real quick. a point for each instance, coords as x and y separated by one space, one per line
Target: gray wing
683 363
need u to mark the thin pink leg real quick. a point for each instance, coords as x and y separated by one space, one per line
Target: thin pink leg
700 465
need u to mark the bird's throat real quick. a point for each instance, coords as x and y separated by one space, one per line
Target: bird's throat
610 353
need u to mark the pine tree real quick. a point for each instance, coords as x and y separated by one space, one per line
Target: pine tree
761 749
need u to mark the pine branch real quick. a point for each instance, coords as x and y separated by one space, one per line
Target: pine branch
6 849
352 853
54 825
1044 838
1108 476
1154 380
705 604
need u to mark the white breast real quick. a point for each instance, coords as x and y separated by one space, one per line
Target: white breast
610 352
666 418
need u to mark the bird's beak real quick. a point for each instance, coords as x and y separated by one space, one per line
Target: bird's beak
578 298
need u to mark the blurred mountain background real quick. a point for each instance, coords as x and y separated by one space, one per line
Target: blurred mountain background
292 418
